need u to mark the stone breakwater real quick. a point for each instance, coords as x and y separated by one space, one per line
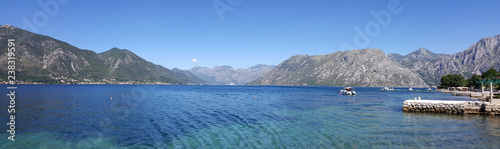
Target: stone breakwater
451 107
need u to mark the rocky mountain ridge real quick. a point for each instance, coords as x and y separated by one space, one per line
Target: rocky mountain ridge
478 58
227 75
419 59
371 67
420 55
367 67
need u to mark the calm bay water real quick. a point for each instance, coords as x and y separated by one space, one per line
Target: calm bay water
149 116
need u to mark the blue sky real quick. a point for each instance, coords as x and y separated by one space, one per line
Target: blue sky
173 32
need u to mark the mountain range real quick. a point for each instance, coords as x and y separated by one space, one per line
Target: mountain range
367 67
227 75
372 67
478 58
45 59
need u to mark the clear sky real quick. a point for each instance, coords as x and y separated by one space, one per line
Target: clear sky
248 32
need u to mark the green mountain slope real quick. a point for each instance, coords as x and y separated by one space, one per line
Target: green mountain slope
123 65
45 59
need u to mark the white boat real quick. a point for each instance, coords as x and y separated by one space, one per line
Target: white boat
387 89
348 91
410 89
429 89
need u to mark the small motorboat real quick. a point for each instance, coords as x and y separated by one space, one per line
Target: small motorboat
429 89
348 91
387 89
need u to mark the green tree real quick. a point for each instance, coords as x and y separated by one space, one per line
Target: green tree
490 74
445 81
472 82
452 80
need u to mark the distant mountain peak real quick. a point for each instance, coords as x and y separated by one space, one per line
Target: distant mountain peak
6 29
227 75
115 49
261 66
422 50
424 55
7 26
223 66
117 52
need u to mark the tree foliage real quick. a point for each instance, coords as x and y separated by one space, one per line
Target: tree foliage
456 80
452 80
490 74
472 82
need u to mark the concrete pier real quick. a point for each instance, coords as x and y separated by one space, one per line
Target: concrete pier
451 107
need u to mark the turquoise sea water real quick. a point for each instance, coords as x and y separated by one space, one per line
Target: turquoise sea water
149 116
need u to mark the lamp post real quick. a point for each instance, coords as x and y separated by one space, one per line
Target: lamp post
491 91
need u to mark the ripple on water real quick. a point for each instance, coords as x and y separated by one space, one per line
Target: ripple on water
231 117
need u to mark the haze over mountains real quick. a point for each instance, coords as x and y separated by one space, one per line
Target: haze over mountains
227 75
45 59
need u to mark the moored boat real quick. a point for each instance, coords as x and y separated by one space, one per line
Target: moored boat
348 91
387 89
